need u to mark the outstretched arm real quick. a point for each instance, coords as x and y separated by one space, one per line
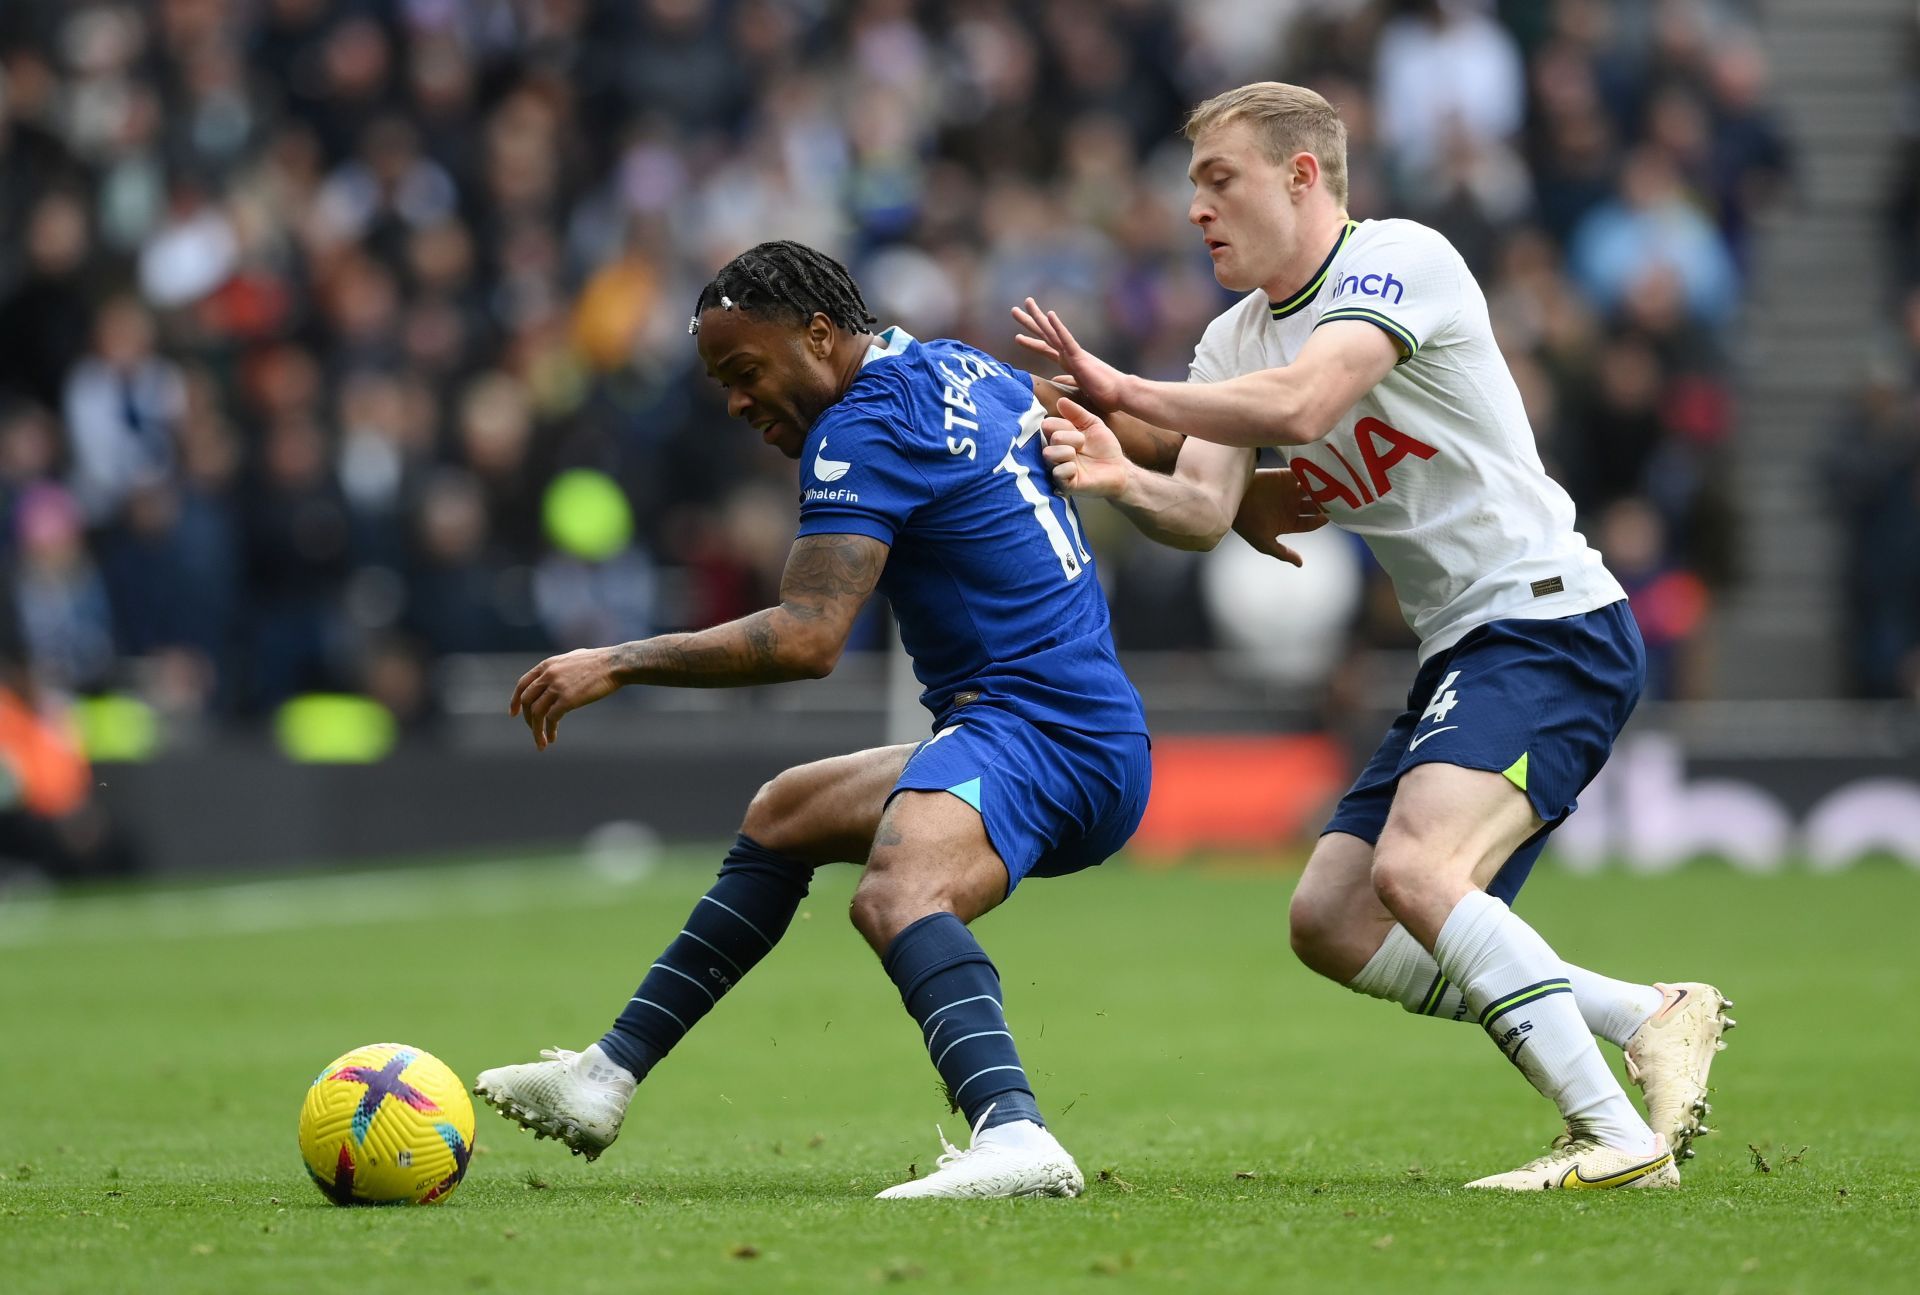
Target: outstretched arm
1154 448
827 581
1190 508
1294 404
1273 504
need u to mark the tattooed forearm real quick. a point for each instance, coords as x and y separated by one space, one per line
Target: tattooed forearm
827 581
746 651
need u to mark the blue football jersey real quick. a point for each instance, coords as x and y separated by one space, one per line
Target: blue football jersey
935 451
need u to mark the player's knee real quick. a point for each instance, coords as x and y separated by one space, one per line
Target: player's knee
1416 863
770 814
1401 872
889 900
1313 930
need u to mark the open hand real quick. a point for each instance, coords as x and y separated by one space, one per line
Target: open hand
557 685
1275 504
1083 455
1098 382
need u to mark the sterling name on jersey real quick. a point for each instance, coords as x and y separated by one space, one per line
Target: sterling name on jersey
935 451
1435 467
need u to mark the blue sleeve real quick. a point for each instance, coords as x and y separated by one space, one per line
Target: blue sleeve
857 477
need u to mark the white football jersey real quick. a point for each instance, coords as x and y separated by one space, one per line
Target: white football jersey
1435 467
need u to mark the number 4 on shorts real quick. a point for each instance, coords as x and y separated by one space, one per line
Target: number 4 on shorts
1444 700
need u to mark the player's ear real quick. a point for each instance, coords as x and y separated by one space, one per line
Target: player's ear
820 335
1306 170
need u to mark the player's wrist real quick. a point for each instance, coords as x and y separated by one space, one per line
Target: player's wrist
1133 394
1127 487
622 662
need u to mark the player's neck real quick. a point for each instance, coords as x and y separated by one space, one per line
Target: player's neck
1319 234
854 359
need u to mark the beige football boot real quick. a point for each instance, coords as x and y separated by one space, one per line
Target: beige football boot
1578 1161
1669 1056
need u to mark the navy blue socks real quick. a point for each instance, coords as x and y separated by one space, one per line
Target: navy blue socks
734 925
951 988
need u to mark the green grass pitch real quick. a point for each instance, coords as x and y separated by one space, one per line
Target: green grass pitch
1243 1126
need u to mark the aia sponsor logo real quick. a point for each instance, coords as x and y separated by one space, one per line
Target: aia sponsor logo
1379 448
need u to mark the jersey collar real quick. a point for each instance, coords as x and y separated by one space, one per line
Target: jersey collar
894 341
1298 301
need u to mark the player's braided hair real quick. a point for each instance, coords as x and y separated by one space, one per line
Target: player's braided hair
787 279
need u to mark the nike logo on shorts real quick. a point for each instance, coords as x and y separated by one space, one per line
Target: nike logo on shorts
1424 736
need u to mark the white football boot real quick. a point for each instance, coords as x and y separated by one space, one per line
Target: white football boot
1016 1159
579 1098
1577 1160
1670 1055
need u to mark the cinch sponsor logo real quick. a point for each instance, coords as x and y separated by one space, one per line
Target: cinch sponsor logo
814 495
1371 285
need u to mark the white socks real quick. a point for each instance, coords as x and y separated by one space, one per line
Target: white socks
1519 992
1402 972
1614 1009
1023 1135
599 1068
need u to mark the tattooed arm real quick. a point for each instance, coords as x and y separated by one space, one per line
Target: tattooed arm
827 581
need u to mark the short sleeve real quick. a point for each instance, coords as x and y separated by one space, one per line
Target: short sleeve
857 477
1213 358
1404 280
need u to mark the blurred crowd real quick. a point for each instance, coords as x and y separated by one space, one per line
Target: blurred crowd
1874 473
337 336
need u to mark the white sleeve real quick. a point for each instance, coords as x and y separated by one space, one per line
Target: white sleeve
1404 281
1215 359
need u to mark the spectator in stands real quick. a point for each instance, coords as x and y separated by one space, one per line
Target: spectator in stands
1651 226
59 600
1875 482
123 404
399 265
1447 76
46 320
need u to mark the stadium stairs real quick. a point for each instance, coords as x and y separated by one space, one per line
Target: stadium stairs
1818 299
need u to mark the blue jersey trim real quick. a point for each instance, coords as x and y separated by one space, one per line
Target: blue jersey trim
837 521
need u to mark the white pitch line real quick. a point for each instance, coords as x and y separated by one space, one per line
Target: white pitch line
297 903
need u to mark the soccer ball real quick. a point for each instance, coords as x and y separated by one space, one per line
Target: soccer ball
386 1124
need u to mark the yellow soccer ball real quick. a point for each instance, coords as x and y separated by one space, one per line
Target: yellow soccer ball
385 1125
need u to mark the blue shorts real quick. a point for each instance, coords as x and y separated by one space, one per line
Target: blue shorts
1540 701
1053 800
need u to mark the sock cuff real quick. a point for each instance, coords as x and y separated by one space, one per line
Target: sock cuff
929 946
750 858
1469 929
1390 969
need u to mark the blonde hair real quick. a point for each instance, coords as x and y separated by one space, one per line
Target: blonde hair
1286 119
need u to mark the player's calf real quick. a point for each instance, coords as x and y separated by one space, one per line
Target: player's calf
1335 923
933 870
